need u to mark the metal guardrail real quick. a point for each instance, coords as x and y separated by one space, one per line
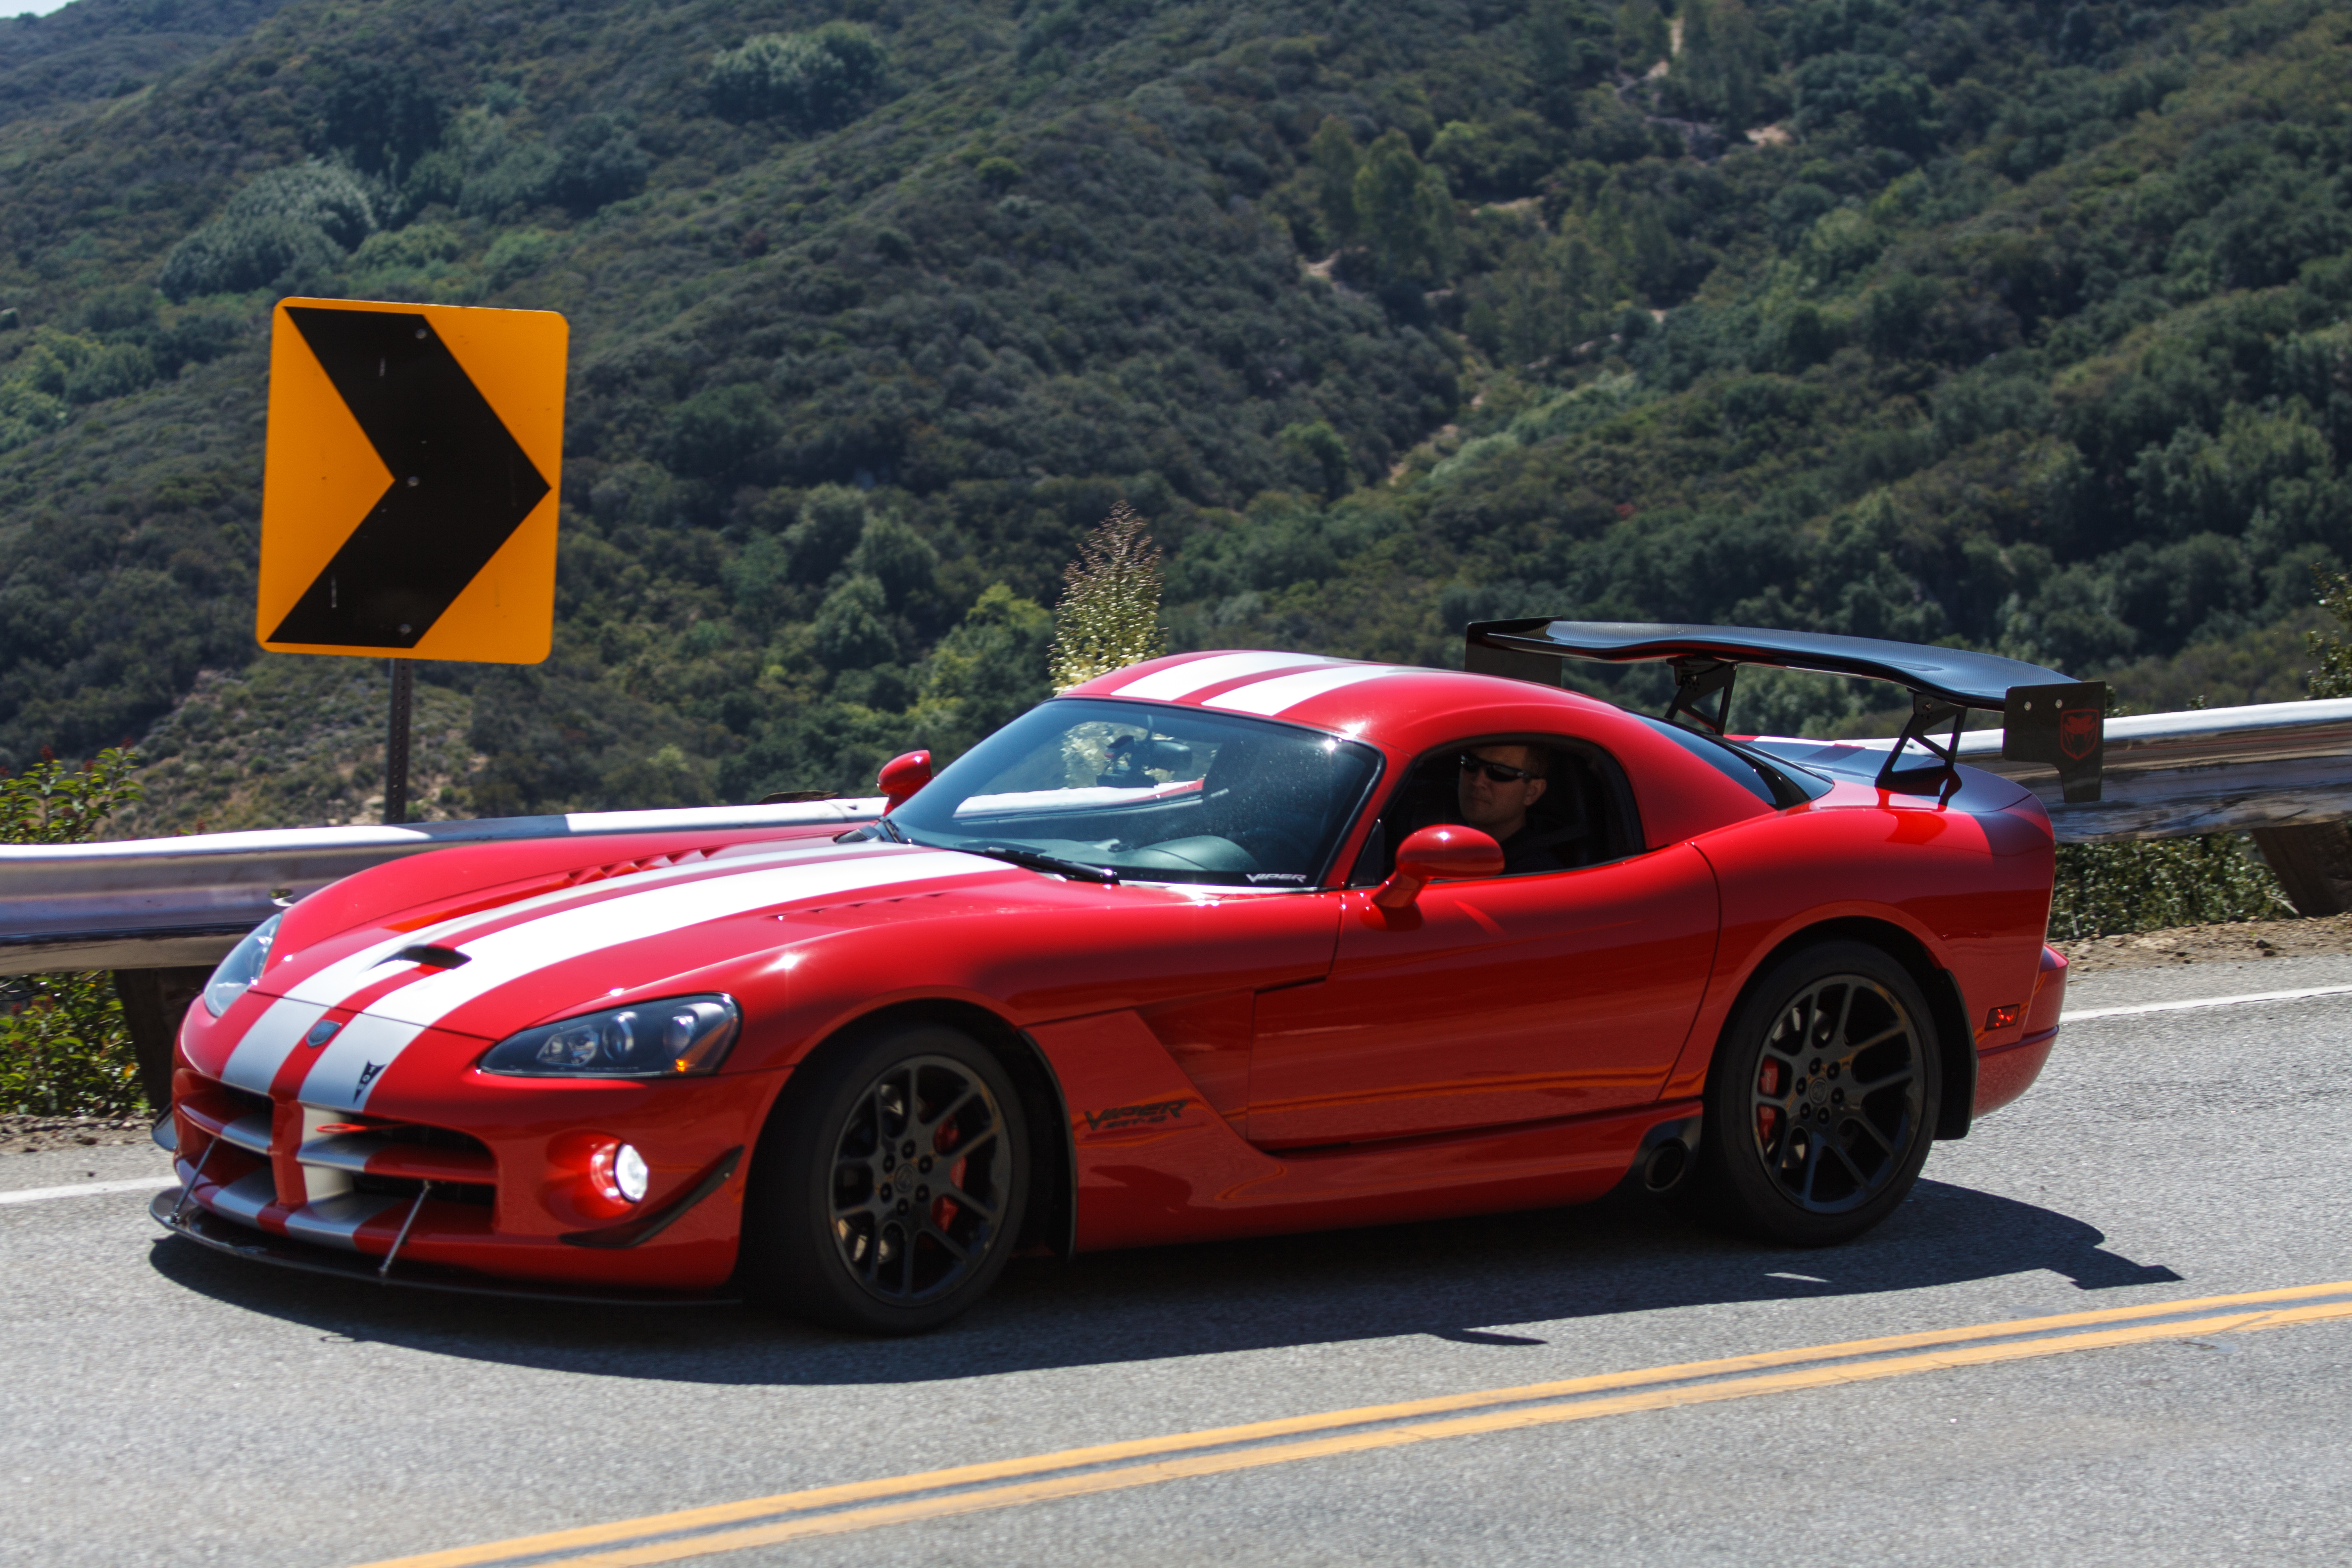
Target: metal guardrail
167 903
2274 764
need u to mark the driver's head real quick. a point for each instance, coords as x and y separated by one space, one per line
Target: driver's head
1499 783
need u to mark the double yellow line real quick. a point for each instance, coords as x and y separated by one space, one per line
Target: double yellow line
1114 1467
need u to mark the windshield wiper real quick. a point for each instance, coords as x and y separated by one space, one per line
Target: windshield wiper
1037 860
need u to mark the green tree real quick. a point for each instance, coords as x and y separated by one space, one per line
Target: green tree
832 521
896 556
1719 69
813 80
1334 159
1406 214
1110 615
306 216
850 630
986 672
1642 36
1323 451
2334 652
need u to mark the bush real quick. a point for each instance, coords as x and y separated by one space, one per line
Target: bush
309 215
812 81
597 162
63 1047
720 427
849 629
64 1050
2147 885
1109 613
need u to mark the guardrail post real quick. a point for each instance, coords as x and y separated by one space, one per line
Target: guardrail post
2314 866
154 1002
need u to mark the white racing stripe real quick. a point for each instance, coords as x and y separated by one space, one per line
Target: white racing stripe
1184 679
2298 995
1269 697
505 956
85 1190
339 979
253 1065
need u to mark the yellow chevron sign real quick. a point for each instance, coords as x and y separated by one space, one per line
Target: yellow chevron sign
409 496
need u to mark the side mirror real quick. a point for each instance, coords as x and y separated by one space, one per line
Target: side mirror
902 776
1437 855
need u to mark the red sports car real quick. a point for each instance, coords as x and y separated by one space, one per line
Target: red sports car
1221 945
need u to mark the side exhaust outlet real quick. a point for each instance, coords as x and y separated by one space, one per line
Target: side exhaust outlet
1668 1151
1669 1162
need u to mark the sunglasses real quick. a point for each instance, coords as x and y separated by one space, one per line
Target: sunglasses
1496 773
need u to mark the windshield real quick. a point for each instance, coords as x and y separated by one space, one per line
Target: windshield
1157 794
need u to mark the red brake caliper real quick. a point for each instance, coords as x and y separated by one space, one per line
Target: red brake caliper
944 1210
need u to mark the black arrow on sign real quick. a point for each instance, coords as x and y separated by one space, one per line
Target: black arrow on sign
460 483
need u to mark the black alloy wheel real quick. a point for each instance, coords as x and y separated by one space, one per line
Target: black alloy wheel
919 1180
889 1185
1822 1100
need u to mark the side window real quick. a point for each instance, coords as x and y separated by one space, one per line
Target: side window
1583 816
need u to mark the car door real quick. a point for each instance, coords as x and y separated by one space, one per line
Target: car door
1492 1002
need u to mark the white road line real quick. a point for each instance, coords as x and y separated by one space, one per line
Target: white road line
2074 1017
85 1189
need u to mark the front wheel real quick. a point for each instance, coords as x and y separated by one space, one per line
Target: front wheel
1822 1100
889 1185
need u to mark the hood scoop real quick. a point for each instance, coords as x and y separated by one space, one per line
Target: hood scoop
431 956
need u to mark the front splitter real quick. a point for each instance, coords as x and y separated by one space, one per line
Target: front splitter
205 1228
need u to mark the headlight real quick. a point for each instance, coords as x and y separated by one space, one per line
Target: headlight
686 1037
241 968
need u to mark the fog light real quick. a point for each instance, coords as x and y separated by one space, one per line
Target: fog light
619 1173
629 1171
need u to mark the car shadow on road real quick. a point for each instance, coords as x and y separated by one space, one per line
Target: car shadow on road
1467 1280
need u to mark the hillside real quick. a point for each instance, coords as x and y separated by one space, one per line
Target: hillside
2019 325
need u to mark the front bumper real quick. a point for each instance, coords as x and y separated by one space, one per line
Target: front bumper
401 1195
205 1228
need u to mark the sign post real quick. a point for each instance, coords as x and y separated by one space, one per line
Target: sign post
395 742
409 497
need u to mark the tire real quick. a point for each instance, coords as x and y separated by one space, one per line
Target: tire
889 1185
1792 1156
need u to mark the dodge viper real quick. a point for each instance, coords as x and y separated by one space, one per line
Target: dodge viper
1208 947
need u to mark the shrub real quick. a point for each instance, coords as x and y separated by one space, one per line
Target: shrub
2334 676
63 1047
832 521
812 81
720 427
2103 888
598 160
309 215
849 629
1110 615
515 256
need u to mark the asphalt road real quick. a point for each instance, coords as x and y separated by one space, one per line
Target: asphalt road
161 1405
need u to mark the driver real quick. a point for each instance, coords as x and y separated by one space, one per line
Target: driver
1499 785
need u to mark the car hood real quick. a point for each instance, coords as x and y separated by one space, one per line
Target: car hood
487 971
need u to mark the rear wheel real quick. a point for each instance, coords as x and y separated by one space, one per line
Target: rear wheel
1822 1100
889 1184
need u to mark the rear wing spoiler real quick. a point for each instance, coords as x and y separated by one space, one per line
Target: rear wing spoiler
2045 717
